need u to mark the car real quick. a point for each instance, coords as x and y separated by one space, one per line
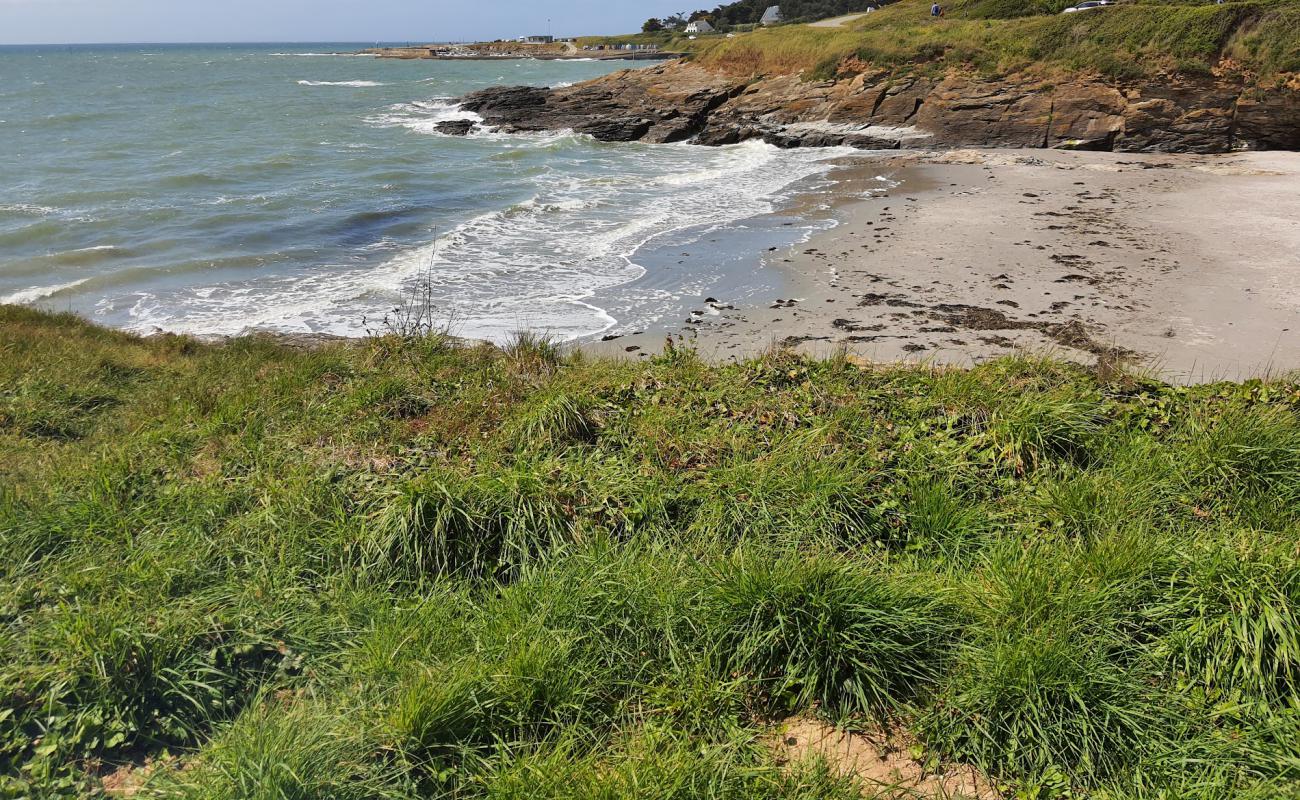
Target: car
1088 6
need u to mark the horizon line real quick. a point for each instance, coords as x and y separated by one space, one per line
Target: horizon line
273 41
218 41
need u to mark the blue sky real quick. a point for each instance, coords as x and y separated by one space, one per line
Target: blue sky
61 21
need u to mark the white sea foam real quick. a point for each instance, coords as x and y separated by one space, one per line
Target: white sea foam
36 293
535 264
423 116
354 84
886 184
883 131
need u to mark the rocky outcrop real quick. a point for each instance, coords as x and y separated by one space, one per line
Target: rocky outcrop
879 110
667 104
1271 119
455 127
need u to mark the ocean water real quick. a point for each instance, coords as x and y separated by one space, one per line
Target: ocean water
217 189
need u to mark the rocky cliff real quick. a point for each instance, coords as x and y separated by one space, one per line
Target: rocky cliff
878 110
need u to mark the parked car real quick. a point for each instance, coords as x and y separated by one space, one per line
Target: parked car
1088 6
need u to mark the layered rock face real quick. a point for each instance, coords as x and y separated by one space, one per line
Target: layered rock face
876 110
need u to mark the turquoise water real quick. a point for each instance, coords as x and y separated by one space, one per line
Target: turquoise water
214 189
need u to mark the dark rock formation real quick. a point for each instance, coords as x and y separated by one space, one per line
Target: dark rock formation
1268 120
664 105
878 110
455 127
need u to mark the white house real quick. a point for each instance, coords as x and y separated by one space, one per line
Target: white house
771 16
699 26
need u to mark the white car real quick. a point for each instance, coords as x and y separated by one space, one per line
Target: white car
1088 6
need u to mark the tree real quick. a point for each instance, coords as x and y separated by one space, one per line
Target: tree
675 21
652 25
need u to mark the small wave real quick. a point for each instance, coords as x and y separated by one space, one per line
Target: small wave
353 84
27 208
189 179
72 118
53 263
88 255
225 200
39 292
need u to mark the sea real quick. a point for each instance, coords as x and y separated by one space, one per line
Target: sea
220 189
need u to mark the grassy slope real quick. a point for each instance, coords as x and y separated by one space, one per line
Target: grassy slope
388 569
667 40
1261 37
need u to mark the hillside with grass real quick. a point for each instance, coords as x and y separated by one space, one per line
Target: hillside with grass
1256 41
749 12
404 567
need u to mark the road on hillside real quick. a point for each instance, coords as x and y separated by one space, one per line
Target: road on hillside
837 22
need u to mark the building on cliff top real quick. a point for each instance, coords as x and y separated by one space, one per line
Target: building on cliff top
771 16
699 26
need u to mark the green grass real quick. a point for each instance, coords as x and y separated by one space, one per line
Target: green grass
401 568
1255 41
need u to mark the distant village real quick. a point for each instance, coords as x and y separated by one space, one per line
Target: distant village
568 47
534 46
708 22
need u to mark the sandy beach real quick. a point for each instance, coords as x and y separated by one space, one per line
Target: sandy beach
1185 266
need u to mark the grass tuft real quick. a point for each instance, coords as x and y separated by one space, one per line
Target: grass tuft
817 631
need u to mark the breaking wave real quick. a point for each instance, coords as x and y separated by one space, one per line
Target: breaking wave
533 264
354 84
37 293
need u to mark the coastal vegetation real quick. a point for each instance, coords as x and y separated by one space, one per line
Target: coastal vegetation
745 14
1253 41
751 11
407 566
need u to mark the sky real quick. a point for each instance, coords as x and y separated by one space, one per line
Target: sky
102 21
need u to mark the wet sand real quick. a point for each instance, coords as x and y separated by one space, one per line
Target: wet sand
1185 266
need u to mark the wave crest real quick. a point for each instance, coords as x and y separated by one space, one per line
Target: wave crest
36 293
353 84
